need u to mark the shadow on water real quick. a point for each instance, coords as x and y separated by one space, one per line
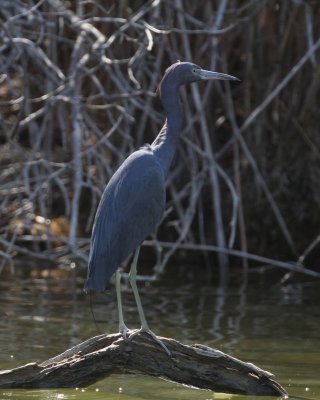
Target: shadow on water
275 326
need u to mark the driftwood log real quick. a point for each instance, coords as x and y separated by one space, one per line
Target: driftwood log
96 358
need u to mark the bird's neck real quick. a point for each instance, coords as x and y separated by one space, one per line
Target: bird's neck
165 143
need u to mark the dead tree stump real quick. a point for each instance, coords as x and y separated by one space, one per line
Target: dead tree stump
96 358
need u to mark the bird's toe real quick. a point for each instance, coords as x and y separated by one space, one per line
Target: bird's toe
133 333
124 332
154 337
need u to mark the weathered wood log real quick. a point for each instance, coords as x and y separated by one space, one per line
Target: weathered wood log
96 358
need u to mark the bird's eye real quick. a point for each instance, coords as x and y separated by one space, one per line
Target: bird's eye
194 70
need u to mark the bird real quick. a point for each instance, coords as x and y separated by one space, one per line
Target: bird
133 202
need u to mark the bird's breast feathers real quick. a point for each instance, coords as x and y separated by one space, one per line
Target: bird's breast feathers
139 185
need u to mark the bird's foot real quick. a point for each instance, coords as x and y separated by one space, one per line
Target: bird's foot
154 337
124 331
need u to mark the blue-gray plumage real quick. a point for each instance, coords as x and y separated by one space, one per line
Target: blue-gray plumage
130 208
134 200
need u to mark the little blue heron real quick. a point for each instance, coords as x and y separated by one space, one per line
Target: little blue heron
134 200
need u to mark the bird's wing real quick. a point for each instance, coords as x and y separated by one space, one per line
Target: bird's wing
130 209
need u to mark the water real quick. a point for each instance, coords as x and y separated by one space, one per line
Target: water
275 326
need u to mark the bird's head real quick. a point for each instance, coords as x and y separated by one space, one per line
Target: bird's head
182 73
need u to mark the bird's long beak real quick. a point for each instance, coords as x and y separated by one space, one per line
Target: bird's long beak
205 75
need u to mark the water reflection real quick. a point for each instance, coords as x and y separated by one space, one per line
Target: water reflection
275 326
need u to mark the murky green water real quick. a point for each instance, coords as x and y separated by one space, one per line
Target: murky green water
275 326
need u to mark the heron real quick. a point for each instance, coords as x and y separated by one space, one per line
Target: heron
133 202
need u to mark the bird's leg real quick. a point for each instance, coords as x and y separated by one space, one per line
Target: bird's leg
144 324
133 283
122 327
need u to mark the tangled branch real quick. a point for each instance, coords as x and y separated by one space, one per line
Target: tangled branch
78 94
